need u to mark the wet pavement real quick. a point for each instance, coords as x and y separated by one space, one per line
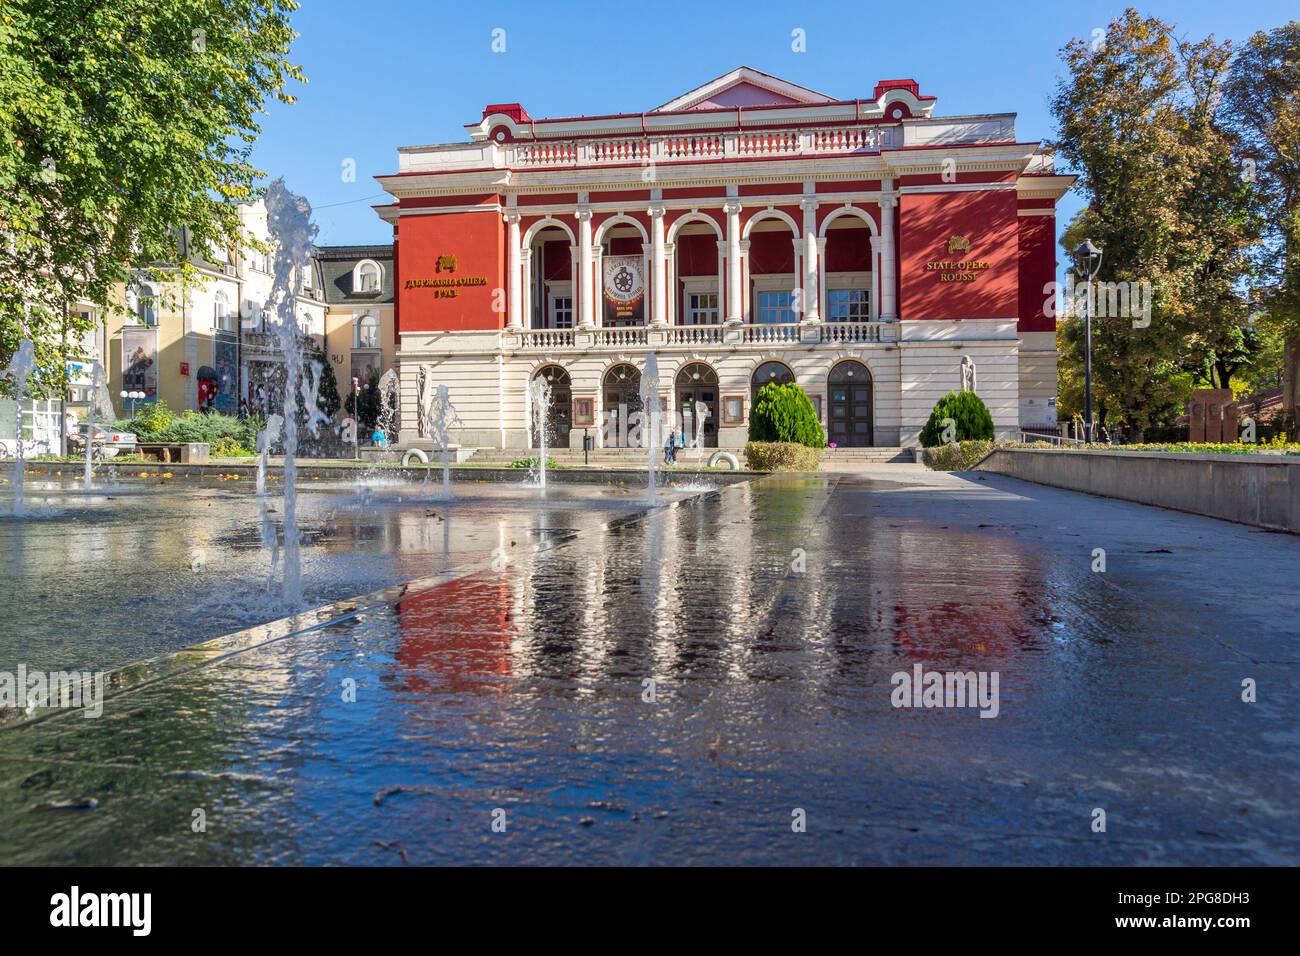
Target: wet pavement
771 618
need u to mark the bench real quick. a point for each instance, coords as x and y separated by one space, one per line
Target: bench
195 453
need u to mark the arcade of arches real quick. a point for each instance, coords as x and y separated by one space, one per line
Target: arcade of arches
846 407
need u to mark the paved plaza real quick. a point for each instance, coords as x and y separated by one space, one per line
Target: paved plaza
682 684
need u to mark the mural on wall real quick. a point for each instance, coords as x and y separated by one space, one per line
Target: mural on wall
140 361
624 290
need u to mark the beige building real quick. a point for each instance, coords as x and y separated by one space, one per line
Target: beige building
357 288
210 343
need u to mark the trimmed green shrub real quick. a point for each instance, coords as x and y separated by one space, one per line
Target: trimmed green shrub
213 428
153 418
784 413
969 414
956 456
781 455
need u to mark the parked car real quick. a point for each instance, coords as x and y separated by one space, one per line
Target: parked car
107 443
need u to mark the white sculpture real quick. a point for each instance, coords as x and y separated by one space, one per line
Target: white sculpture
967 374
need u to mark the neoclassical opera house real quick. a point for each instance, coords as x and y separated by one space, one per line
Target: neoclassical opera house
748 231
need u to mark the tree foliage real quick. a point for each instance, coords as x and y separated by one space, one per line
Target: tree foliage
784 413
122 121
1141 120
1262 102
970 417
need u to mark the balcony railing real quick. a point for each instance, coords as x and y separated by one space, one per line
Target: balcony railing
547 338
744 144
691 336
619 337
694 334
854 332
769 333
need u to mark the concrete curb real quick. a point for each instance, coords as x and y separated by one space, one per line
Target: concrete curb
1259 490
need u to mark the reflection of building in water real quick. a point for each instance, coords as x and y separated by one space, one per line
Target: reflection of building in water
455 635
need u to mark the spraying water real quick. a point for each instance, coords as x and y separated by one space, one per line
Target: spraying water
267 437
20 367
701 413
540 392
289 222
650 419
100 406
388 402
442 417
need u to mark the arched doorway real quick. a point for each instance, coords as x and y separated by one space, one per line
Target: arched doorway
769 373
559 417
698 383
621 398
849 418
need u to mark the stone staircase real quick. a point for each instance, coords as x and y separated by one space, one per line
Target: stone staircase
605 457
867 456
636 457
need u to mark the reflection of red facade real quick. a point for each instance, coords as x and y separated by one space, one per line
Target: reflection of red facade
455 635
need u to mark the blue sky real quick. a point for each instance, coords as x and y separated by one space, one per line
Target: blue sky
390 73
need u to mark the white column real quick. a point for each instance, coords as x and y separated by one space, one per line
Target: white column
821 276
735 309
598 285
875 277
586 307
811 296
670 282
573 287
722 281
526 303
888 260
515 278
658 284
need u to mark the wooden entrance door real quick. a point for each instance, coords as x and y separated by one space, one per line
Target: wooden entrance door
850 422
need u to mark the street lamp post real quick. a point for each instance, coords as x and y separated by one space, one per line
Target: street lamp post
356 418
1087 258
133 397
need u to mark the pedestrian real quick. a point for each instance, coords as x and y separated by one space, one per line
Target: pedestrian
670 448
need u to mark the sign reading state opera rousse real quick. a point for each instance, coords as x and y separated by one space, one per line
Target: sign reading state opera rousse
446 287
957 270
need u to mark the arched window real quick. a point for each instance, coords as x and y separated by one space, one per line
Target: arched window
772 373
146 305
222 318
367 277
367 332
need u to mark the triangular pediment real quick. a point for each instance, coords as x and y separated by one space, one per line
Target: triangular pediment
744 87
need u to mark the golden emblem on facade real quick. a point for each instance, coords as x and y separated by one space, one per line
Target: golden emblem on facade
445 264
958 244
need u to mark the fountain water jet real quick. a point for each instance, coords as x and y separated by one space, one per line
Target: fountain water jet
442 417
388 402
539 391
100 405
267 437
20 367
289 223
649 391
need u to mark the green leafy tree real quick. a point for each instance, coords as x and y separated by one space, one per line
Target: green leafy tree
121 121
1139 118
784 413
1262 103
969 415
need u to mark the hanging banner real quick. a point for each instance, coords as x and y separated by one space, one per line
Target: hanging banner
225 356
140 361
624 290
